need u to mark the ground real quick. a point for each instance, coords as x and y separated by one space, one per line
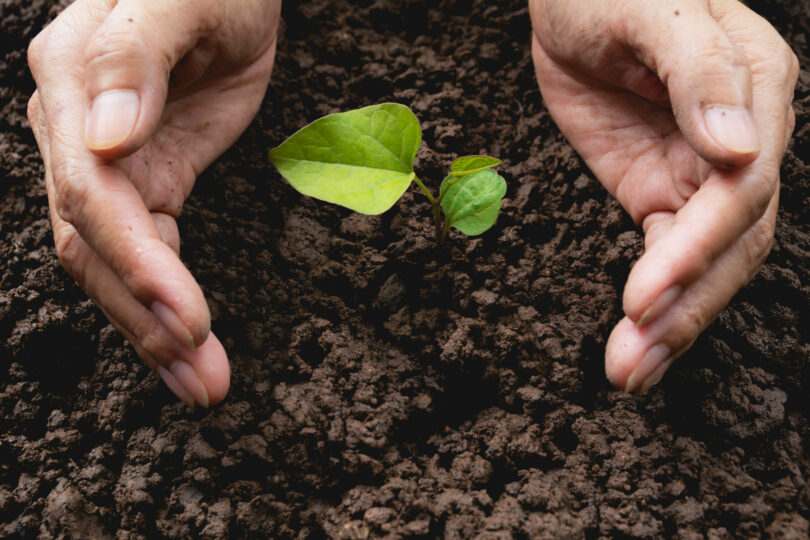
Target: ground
381 387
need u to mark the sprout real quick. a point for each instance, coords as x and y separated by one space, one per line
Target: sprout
363 160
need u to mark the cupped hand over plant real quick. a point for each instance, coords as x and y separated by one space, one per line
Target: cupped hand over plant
682 109
134 99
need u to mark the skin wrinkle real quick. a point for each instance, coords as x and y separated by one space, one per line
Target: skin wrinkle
60 76
672 199
696 311
694 216
663 200
71 193
68 250
623 176
153 177
617 145
207 78
190 69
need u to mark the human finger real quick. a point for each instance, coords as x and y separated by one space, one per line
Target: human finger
131 58
671 52
706 73
99 200
201 377
205 362
636 357
726 205
203 374
127 64
167 228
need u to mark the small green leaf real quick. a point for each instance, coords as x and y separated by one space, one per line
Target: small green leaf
360 159
471 203
470 164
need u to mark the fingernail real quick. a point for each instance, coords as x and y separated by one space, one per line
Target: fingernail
660 305
175 386
112 118
648 367
656 376
733 128
173 324
190 381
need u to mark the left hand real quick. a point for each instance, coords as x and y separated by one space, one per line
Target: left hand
133 100
682 109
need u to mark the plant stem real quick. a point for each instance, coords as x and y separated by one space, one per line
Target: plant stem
445 230
425 190
437 212
437 219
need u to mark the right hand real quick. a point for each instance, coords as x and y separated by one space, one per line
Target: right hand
133 100
682 110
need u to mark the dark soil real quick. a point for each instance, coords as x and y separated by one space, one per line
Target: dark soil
382 388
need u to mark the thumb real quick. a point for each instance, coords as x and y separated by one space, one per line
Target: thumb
127 63
708 78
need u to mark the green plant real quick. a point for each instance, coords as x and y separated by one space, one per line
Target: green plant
363 160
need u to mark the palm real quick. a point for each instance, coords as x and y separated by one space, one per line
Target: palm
114 204
637 151
632 145
708 226
195 129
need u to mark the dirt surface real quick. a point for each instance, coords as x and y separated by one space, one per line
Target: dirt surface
381 388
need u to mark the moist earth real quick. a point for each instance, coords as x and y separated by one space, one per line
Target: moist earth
382 387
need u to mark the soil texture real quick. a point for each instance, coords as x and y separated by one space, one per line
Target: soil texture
382 388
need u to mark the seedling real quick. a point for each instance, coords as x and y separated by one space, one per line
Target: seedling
363 160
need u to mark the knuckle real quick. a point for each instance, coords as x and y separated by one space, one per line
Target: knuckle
793 67
781 65
173 242
33 111
36 52
725 54
128 269
697 319
151 337
759 247
134 268
68 251
718 46
71 193
113 46
791 123
167 227
756 196
763 193
702 252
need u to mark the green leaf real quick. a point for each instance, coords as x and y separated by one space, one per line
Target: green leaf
448 181
360 159
471 203
470 164
467 165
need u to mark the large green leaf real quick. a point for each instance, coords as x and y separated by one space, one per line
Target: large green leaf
472 202
360 159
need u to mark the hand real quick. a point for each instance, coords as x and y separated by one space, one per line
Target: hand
682 109
133 100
